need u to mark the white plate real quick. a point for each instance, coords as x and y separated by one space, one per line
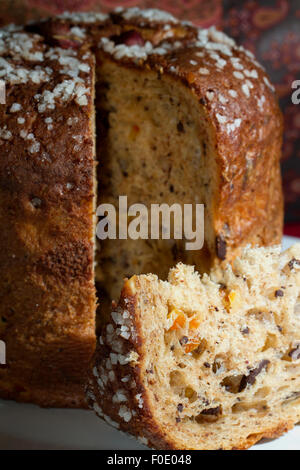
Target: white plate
31 427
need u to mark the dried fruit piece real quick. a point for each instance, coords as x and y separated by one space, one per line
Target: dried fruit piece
68 43
191 394
251 377
195 323
129 38
183 340
212 411
200 348
192 345
231 299
245 330
295 353
279 293
232 383
209 415
179 319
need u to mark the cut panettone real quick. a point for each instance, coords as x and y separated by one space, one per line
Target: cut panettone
186 116
209 362
183 115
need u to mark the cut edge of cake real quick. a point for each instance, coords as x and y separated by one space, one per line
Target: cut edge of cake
208 362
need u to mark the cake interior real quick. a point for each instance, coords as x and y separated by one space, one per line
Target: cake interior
153 147
225 351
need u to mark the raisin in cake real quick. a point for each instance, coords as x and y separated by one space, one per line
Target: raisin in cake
183 115
207 362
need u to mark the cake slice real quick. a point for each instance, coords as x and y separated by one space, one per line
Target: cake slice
204 362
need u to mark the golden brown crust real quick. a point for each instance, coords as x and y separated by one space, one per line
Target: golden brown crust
111 371
272 433
46 244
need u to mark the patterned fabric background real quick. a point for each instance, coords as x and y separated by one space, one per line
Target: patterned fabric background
270 29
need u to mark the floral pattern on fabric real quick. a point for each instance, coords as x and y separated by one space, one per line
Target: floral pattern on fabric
271 30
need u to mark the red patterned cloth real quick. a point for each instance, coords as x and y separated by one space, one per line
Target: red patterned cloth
271 29
201 12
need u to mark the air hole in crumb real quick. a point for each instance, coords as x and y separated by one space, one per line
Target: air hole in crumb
178 382
259 406
297 308
261 315
284 387
293 398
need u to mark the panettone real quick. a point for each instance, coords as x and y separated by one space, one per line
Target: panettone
183 115
204 363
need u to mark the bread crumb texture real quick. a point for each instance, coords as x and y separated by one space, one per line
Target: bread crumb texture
204 362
